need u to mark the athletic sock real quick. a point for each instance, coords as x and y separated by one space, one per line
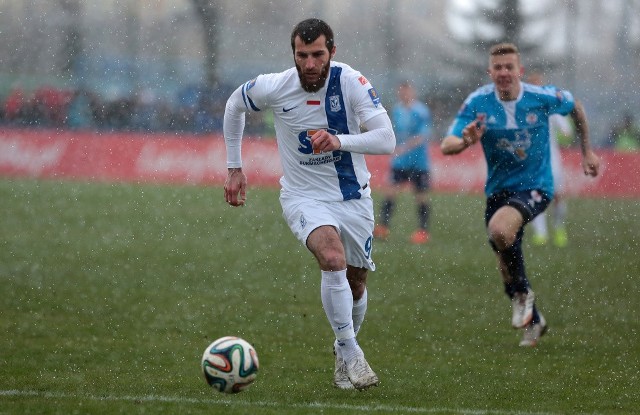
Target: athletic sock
514 260
359 310
424 211
539 224
387 211
560 214
337 302
349 349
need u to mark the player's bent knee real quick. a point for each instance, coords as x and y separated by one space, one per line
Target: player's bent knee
332 260
500 238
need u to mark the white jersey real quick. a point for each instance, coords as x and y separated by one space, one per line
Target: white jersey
345 102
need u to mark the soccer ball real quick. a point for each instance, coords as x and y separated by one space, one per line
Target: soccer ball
230 364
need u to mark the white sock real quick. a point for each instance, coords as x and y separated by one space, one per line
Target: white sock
359 310
337 302
560 213
539 224
348 349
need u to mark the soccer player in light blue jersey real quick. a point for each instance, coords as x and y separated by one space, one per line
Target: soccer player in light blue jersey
510 119
410 162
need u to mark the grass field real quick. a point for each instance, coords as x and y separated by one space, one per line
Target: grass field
111 292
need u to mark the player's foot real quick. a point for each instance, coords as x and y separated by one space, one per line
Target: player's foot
419 237
560 238
539 240
340 378
533 332
381 232
522 304
360 373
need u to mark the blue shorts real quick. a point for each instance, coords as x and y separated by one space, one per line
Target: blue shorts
420 179
530 203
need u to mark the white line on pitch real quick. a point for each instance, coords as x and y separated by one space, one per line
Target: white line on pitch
311 405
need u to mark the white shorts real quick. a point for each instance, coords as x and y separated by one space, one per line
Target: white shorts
353 219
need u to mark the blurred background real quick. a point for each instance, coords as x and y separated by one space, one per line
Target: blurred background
169 65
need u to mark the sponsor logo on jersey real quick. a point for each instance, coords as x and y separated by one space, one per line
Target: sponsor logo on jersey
375 98
285 109
334 103
313 102
363 80
518 147
532 118
304 138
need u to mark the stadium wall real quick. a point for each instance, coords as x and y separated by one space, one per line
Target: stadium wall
200 160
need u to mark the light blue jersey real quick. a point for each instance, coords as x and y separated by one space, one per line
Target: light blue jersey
516 141
409 122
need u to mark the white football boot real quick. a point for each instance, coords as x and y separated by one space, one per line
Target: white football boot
340 378
533 332
360 373
522 304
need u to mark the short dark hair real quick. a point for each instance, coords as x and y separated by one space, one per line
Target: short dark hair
504 48
311 29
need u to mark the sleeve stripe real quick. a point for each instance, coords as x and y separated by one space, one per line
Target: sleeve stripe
247 100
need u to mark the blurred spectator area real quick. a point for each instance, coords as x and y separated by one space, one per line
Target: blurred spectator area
195 109
141 65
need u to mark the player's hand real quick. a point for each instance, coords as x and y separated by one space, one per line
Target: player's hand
472 132
323 141
235 187
590 164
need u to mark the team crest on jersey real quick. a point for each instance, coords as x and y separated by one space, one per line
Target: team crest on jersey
334 103
375 98
532 118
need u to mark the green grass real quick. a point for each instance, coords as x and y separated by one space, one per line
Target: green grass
111 292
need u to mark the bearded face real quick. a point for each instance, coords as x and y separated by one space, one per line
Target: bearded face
312 61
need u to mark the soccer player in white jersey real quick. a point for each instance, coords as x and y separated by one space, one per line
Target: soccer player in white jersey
510 119
318 107
559 125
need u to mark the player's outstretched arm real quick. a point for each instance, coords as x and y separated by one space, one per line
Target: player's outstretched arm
471 134
452 144
590 161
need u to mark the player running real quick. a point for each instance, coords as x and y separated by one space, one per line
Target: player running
510 118
318 107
